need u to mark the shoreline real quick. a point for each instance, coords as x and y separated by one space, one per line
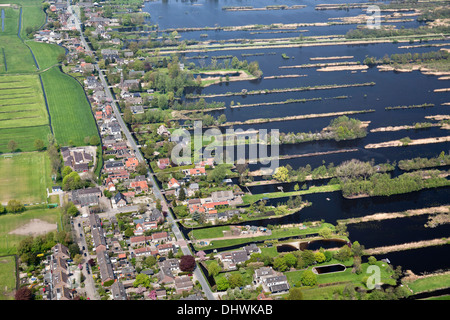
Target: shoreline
398 143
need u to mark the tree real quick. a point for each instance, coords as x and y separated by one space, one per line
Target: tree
66 170
235 280
222 284
61 57
281 174
94 141
187 263
218 173
320 257
357 249
15 206
12 145
23 293
295 294
142 280
308 278
141 168
279 264
39 145
290 259
2 209
182 195
343 254
214 269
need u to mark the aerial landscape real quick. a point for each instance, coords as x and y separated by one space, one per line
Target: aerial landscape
230 150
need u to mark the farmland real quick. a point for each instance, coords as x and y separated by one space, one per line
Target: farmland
16 54
72 119
46 54
25 177
21 102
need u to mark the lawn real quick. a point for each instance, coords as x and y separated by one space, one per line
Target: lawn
7 277
22 102
72 118
25 177
430 283
276 234
249 199
10 222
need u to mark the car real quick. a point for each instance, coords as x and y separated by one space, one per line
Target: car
84 248
85 254
81 235
79 224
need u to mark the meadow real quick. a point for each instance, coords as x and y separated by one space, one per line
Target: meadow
16 54
25 177
46 53
10 222
7 280
71 114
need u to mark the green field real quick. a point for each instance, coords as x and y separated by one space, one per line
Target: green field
22 102
71 114
46 53
24 137
7 277
25 177
11 222
18 56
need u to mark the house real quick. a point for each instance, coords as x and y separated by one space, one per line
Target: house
270 280
173 184
165 248
105 266
110 54
85 197
201 171
163 163
139 186
162 131
160 236
139 241
183 283
139 230
119 200
60 251
98 236
146 251
131 163
113 166
218 196
118 291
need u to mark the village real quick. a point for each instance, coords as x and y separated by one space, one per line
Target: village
146 228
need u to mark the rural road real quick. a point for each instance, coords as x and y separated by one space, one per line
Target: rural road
176 231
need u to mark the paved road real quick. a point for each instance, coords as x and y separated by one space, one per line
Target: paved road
178 235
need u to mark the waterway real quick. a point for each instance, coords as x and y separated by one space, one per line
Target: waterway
390 89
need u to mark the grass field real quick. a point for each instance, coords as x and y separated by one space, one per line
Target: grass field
46 53
18 56
25 177
71 114
10 222
7 277
24 137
